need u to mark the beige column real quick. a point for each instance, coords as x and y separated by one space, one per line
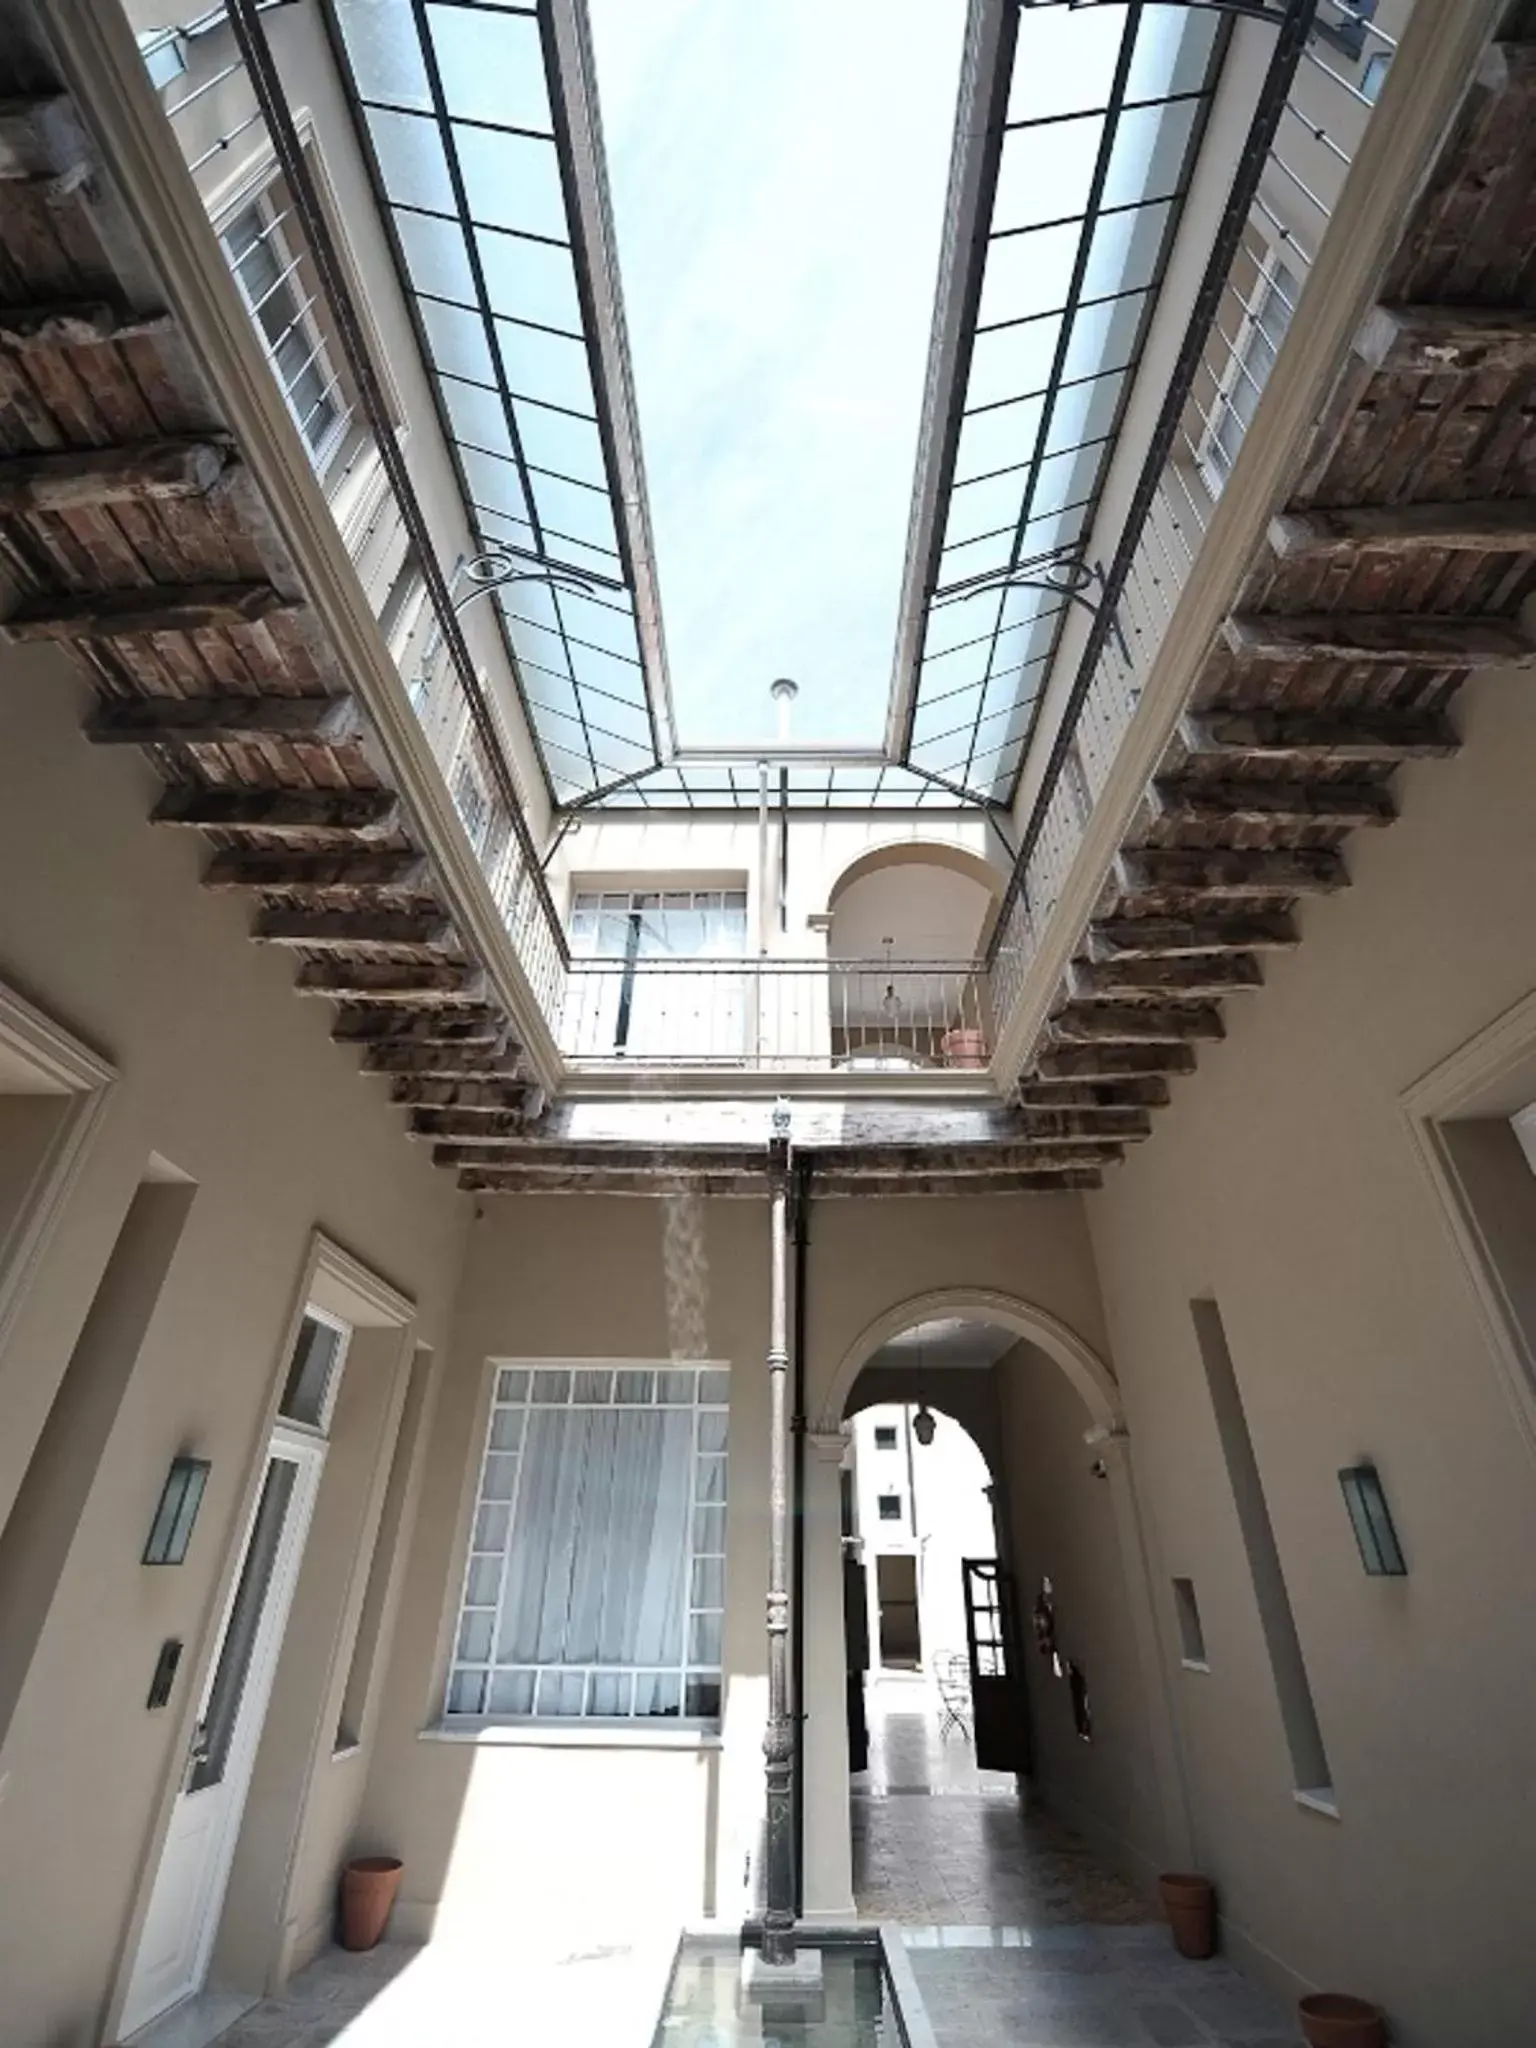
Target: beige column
828 1886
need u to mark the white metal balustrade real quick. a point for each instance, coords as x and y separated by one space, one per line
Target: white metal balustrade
775 1015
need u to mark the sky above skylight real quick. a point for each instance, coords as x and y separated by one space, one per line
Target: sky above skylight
778 177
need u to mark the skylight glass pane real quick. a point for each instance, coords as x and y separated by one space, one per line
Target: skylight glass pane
547 366
1084 412
567 508
1046 173
1147 159
600 624
477 415
1028 274
554 440
1009 361
411 159
436 256
492 65
1003 437
1125 252
495 483
1173 50
385 55
456 339
512 181
1066 61
529 281
1103 337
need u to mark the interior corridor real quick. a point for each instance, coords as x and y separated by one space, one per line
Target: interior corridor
1014 1929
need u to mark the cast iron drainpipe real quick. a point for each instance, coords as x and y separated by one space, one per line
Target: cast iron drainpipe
802 1222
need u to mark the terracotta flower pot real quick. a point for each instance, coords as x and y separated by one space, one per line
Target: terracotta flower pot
1332 2019
368 1887
964 1048
1190 1903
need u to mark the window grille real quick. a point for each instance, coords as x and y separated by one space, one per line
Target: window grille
595 1586
1247 372
270 275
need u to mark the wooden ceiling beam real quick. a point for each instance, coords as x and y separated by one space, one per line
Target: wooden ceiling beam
1167 875
1057 1064
490 1180
1164 938
874 1167
144 608
218 721
480 1093
72 479
1431 340
1182 800
321 877
1395 639
394 932
460 1061
1093 1098
374 1025
1180 974
83 323
393 981
1491 526
1135 1024
1357 734
305 813
1070 1127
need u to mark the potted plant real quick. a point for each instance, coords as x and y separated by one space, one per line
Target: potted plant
1332 2019
368 1888
1190 1903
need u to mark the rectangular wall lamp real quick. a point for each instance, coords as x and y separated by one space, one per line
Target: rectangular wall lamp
1380 1551
171 1530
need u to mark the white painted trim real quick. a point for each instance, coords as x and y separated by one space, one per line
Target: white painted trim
368 1301
87 1078
1079 1361
1430 73
572 1735
1317 1799
1425 1104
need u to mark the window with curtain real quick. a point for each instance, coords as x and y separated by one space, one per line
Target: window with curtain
668 993
595 1586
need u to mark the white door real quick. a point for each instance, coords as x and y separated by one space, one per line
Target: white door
188 1896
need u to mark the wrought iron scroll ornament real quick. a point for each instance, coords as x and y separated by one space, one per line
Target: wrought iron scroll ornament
1069 576
499 566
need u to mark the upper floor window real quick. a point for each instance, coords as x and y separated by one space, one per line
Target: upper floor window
885 1436
271 274
595 1587
1266 315
890 1507
646 924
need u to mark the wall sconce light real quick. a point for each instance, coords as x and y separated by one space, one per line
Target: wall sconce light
182 1496
1380 1551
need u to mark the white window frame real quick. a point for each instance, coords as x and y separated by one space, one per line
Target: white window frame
456 1718
290 261
1266 285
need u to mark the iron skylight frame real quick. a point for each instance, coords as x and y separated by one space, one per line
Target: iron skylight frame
987 81
577 734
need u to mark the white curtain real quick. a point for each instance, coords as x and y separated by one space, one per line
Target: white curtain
598 1556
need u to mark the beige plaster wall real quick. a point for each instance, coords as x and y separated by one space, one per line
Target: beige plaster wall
233 1079
637 1832
1065 1529
1284 1181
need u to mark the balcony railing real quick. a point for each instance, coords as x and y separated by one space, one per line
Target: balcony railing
1313 111
774 1015
230 114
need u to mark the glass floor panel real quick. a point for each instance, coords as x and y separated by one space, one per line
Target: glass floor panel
708 2008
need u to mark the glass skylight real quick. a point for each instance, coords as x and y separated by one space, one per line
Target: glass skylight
1092 154
456 101
778 177
803 786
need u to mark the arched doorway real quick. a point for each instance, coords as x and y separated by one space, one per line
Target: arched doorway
1051 1373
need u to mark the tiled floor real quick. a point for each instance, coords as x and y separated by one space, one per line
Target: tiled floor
1014 1931
936 1840
399 1997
